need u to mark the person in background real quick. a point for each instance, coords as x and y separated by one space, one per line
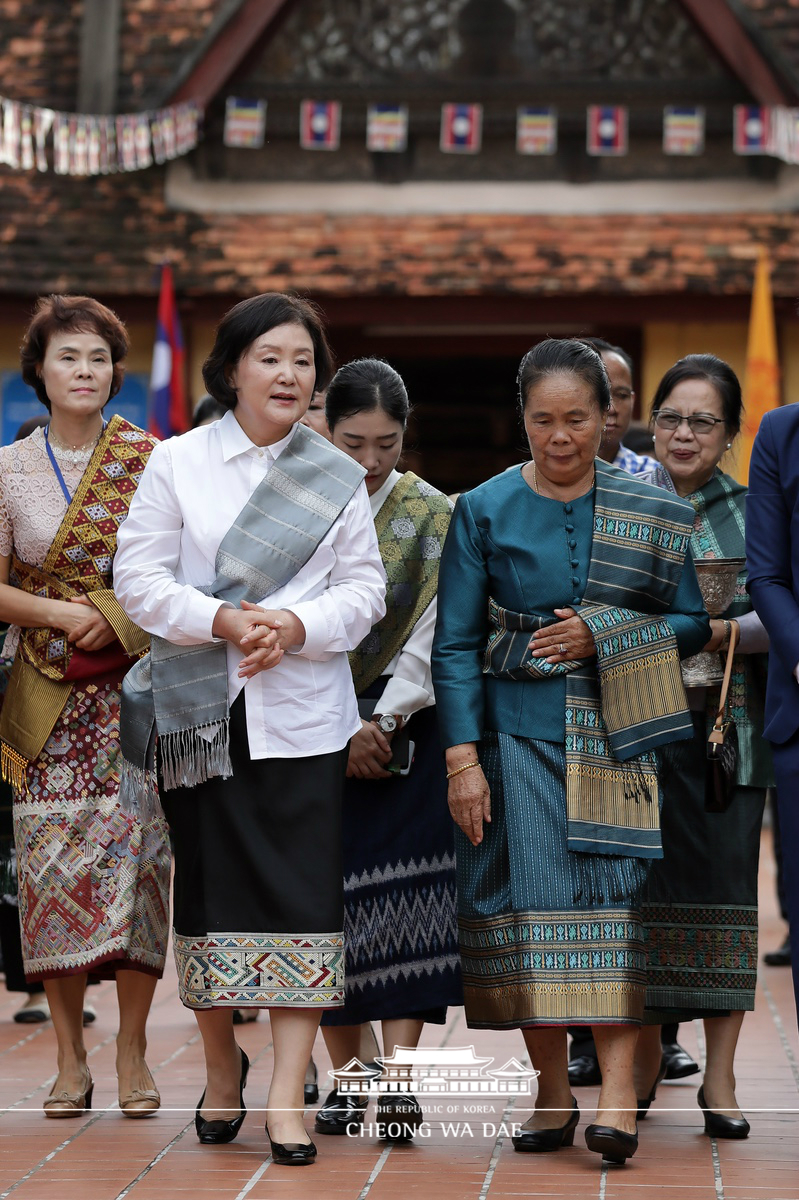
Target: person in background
315 415
700 907
619 367
101 906
781 957
402 964
206 411
772 556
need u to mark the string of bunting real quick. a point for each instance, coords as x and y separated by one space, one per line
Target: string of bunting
87 144
756 129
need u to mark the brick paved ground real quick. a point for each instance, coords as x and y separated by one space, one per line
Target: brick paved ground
105 1157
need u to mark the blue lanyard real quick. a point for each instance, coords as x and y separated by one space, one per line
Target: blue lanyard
55 465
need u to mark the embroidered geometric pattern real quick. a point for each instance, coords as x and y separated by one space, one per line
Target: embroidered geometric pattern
705 954
411 527
93 881
232 970
80 557
552 969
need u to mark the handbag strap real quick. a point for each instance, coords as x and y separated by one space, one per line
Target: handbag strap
725 685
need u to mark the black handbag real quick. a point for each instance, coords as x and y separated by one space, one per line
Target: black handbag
722 747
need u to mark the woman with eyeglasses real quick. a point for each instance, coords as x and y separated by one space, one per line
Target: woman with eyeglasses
701 910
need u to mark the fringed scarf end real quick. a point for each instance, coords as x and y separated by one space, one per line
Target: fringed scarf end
189 756
13 768
138 792
608 879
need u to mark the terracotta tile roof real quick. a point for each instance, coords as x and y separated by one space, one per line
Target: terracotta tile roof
44 222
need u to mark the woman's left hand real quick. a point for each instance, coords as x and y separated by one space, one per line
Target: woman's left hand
289 630
569 639
96 632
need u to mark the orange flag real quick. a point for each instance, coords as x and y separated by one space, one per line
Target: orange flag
761 389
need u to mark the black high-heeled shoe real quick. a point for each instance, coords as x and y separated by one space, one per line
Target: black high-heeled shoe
310 1091
220 1131
644 1105
614 1145
291 1154
719 1126
538 1141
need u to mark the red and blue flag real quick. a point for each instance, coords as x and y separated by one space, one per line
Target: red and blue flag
168 414
320 124
751 128
606 131
461 128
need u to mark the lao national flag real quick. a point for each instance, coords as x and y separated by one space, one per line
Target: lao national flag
751 125
606 131
168 414
320 124
461 128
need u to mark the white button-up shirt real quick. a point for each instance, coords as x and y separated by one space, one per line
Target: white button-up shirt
191 492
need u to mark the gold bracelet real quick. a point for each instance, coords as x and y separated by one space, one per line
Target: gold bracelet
465 767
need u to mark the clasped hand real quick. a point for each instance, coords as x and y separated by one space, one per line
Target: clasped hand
85 626
570 638
265 634
370 751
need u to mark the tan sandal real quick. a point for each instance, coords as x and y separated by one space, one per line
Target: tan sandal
140 1102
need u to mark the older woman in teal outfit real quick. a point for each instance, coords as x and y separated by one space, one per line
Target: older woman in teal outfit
566 597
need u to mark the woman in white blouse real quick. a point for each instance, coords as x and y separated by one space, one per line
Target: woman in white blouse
399 878
240 511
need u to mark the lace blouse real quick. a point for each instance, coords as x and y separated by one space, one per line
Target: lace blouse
32 505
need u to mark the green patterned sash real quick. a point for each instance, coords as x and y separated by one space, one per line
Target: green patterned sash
411 526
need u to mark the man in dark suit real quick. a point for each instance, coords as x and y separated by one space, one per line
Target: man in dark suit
772 555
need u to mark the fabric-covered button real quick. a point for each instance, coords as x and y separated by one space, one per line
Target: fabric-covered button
575 563
567 508
570 529
572 544
576 580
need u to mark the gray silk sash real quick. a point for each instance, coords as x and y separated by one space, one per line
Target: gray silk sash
180 693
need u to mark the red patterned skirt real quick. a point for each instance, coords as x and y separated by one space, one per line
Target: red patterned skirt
93 880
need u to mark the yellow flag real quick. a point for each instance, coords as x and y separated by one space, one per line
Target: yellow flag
761 389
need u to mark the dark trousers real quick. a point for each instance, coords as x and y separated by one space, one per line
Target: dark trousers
786 772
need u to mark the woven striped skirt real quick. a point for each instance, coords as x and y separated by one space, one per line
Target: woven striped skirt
532 955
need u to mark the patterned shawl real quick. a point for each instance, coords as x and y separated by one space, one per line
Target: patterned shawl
718 532
411 526
79 563
616 716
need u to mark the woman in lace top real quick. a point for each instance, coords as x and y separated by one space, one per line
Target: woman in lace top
92 880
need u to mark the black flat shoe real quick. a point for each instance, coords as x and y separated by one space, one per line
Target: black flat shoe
584 1071
397 1116
291 1154
719 1126
310 1091
218 1132
774 958
538 1141
679 1064
644 1105
341 1113
614 1145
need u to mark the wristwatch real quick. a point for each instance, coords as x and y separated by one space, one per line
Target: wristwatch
387 723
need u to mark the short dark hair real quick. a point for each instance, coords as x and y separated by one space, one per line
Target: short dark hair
604 347
71 314
246 322
207 409
364 385
718 373
555 356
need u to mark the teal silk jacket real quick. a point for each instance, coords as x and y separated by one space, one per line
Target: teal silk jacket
532 555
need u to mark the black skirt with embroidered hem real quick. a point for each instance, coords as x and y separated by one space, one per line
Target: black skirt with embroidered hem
258 896
400 921
700 905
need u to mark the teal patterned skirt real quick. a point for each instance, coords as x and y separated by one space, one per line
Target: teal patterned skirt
531 952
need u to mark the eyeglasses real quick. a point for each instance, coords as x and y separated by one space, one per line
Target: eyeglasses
664 418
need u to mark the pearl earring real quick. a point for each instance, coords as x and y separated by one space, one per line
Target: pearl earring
729 445
653 439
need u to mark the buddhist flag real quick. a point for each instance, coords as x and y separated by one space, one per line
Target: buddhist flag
761 389
536 129
320 124
168 411
245 123
683 129
386 128
751 127
606 129
461 128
